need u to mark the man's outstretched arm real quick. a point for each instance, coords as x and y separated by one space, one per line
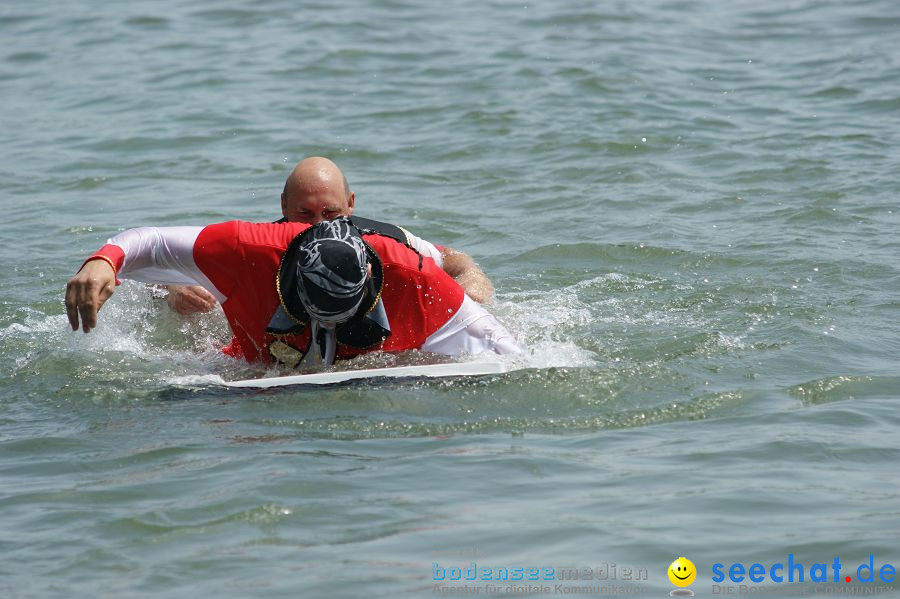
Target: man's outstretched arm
472 279
149 254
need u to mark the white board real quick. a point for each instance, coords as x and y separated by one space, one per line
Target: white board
396 372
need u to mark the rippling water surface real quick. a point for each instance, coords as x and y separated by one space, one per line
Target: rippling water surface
689 211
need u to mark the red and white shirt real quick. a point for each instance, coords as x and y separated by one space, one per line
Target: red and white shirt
238 263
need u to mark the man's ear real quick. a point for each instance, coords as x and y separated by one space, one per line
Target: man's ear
350 201
283 206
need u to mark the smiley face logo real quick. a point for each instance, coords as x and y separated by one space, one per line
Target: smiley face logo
682 572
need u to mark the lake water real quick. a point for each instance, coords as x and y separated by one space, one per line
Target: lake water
689 210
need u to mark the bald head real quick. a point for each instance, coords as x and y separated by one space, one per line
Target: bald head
316 190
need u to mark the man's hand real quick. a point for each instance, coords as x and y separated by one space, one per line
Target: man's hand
87 291
188 300
472 279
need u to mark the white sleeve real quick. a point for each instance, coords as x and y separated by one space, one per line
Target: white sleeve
471 330
163 255
426 248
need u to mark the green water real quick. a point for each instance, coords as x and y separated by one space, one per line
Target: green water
689 210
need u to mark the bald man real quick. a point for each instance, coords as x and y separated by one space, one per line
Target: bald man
317 190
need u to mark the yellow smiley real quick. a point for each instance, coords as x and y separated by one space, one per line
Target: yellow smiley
682 572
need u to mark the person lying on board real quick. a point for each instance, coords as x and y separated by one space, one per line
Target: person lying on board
300 294
317 190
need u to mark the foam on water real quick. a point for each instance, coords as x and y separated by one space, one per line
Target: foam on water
574 341
136 324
